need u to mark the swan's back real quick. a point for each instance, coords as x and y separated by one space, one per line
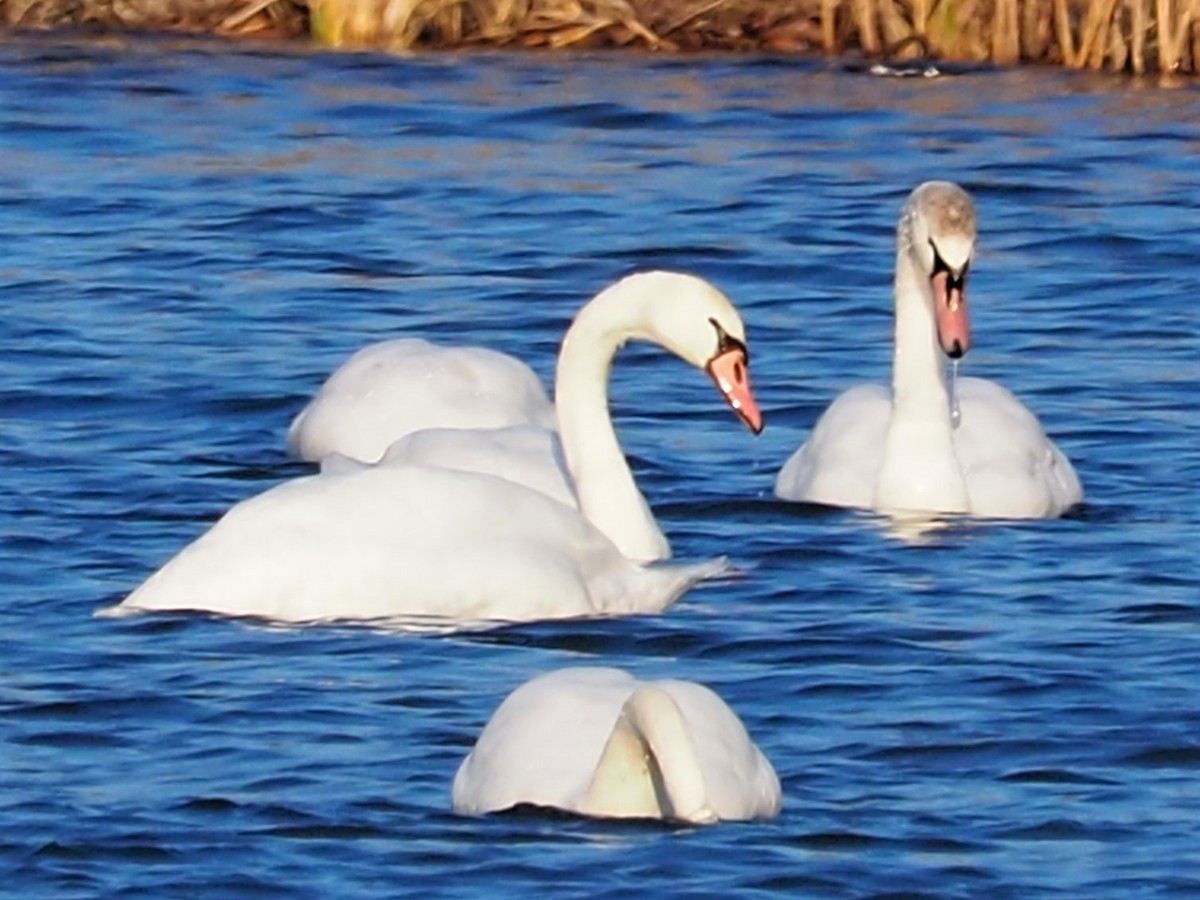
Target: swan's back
739 780
1012 469
403 542
544 743
396 387
525 454
839 463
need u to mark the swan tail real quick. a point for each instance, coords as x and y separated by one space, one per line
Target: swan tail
678 776
649 767
663 583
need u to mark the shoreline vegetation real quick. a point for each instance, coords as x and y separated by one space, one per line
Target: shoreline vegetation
1122 36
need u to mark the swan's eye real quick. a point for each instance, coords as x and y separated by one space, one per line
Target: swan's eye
953 282
939 264
725 343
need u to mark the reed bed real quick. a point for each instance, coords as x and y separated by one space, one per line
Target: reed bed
273 18
1136 36
1133 36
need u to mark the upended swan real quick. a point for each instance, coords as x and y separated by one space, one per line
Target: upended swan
397 387
908 450
597 742
409 541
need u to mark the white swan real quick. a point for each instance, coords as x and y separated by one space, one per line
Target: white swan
527 454
595 741
408 541
393 388
907 450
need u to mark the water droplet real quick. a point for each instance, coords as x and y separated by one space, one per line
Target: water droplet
955 413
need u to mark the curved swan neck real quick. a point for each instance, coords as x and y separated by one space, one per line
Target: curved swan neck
604 485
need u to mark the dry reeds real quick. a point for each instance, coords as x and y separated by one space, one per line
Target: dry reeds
280 18
1135 36
401 24
1119 35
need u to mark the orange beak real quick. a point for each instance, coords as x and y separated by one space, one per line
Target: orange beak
950 314
728 370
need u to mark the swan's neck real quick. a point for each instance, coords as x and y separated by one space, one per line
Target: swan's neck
604 485
918 371
920 469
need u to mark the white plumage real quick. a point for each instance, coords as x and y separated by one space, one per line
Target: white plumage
927 446
394 388
434 544
598 742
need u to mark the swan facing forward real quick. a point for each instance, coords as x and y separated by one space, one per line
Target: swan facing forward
404 541
908 450
596 741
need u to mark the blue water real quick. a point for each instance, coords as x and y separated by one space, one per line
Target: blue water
194 234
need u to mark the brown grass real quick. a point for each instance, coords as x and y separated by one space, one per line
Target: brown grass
1134 36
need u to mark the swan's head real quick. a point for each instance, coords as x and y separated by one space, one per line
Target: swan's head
938 230
698 323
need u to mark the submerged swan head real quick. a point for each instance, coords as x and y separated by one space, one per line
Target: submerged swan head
937 231
694 320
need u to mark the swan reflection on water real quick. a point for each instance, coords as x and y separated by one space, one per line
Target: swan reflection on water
917 529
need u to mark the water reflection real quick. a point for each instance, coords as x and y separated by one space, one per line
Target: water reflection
916 529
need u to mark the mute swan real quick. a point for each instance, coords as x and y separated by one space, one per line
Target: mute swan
406 541
598 742
527 454
393 388
903 451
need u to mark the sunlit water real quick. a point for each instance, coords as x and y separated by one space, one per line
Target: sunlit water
194 235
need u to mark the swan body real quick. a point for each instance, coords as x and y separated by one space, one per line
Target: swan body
597 742
393 388
527 454
926 446
399 540
419 545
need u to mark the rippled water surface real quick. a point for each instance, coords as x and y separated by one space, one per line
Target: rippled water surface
195 234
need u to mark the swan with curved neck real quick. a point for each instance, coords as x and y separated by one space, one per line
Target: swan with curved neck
636 308
582 462
402 540
909 450
586 467
655 750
